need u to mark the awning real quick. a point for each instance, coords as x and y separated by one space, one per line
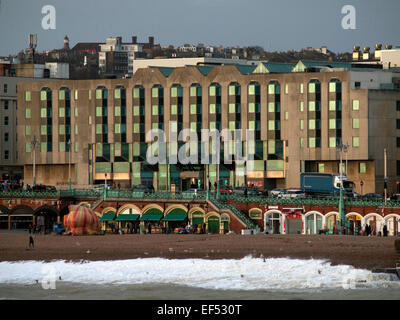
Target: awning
151 217
127 217
175 217
108 217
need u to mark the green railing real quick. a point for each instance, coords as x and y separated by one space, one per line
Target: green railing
224 205
127 194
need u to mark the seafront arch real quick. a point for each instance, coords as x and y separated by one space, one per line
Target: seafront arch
392 222
375 221
21 217
330 220
354 222
314 221
274 221
129 209
196 216
213 220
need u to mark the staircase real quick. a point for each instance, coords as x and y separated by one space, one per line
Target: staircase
234 211
95 204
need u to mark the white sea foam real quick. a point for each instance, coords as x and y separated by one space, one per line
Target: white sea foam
245 274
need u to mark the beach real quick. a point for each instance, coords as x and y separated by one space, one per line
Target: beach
359 252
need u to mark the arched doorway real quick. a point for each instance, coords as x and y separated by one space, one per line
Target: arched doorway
175 217
225 221
330 221
21 217
45 218
392 222
150 220
196 217
273 222
313 222
353 223
213 223
375 222
128 218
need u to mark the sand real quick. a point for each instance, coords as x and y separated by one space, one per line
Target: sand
360 252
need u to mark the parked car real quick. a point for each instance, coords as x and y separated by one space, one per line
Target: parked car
225 190
277 191
102 186
293 193
51 189
372 196
254 192
250 191
142 188
395 197
239 190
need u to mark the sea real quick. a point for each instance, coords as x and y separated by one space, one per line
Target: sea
249 278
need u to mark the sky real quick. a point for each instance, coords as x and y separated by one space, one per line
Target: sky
274 25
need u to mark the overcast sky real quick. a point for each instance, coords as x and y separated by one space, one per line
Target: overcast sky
274 25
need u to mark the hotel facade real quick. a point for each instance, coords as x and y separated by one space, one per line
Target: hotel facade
98 127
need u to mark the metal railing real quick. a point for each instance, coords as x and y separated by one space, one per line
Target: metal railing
161 195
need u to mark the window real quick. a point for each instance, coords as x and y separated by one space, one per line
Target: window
76 111
311 87
311 105
212 91
193 109
332 123
332 142
301 88
5 87
321 167
301 106
301 124
301 142
332 87
356 105
43 147
397 123
332 105
43 130
212 108
5 104
155 110
251 107
271 125
6 154
43 113
76 130
356 142
6 121
27 113
117 112
397 105
397 167
27 96
61 129
61 112
356 124
286 88
232 108
6 136
62 146
28 130
311 142
271 107
311 124
27 147
363 167
76 94
398 142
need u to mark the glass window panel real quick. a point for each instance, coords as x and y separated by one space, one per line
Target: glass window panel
43 147
154 92
332 142
321 167
311 124
271 125
301 124
332 123
61 95
136 92
356 124
332 105
356 142
27 147
28 130
193 91
43 130
271 107
117 111
232 108
271 147
301 88
27 113
311 105
193 109
212 125
271 89
99 128
155 110
43 95
117 93
27 96
232 90
174 92
251 89
332 87
311 87
212 91
62 146
212 108
356 105
251 107
251 125
61 112
363 167
61 129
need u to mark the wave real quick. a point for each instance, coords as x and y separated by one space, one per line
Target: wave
248 273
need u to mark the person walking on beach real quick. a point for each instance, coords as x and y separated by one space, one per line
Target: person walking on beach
31 241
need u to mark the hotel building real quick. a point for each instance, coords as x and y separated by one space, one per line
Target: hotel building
299 114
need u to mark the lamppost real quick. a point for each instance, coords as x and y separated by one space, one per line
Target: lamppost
34 143
69 164
342 213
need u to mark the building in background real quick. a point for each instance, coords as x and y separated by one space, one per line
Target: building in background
299 116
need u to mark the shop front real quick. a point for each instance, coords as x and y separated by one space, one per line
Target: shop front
108 222
294 220
128 223
176 218
213 224
150 222
353 224
273 222
313 223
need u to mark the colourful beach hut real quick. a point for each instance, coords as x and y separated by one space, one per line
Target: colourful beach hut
81 221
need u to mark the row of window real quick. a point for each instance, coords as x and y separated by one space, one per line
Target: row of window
315 142
362 167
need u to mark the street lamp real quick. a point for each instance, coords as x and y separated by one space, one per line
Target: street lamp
69 164
342 213
34 143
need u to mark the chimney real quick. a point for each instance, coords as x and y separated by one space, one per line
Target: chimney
366 53
134 40
377 53
356 53
151 41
